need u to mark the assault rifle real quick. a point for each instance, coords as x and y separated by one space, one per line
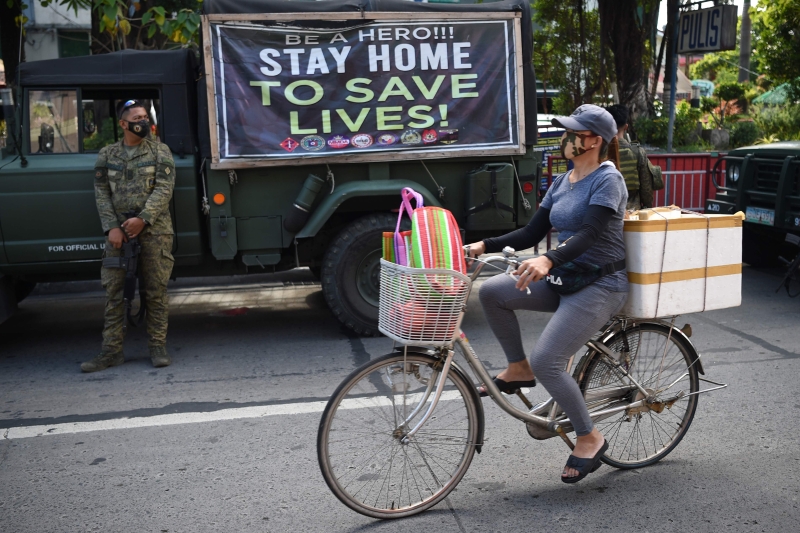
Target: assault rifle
129 262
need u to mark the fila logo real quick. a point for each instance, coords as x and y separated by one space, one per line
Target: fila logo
554 280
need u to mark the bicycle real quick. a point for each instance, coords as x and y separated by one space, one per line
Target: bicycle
792 277
400 432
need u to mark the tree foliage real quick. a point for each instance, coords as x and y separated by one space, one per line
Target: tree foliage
145 24
780 123
775 36
723 67
654 131
778 24
725 95
719 67
568 54
626 27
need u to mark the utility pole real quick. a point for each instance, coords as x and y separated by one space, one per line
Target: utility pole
744 44
673 10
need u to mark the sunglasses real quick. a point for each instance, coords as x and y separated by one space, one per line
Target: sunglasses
581 135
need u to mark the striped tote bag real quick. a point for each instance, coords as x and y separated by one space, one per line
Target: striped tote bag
436 240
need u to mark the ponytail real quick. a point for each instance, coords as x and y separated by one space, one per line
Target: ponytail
610 152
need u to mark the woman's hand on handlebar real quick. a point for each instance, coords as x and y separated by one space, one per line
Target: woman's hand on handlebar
532 270
475 249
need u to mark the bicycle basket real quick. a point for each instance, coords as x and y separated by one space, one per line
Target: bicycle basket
421 306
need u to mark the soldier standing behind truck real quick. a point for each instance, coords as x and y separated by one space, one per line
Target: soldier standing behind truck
136 174
641 177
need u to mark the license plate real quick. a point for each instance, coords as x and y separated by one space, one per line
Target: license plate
759 215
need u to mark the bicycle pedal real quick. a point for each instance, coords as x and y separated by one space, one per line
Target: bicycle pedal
524 399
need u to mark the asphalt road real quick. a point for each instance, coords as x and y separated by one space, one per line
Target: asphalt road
224 439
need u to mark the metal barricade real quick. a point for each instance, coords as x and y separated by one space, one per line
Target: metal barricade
687 179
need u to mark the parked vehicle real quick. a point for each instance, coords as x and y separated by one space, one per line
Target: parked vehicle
762 181
328 217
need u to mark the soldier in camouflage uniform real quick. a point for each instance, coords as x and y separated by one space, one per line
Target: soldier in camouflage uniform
136 174
633 164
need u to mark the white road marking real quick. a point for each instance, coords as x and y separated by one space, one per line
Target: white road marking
195 418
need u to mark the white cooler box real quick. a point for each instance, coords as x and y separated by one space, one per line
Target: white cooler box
699 268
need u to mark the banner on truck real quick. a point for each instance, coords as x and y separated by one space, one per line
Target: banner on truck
391 87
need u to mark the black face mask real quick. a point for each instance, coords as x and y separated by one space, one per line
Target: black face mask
140 128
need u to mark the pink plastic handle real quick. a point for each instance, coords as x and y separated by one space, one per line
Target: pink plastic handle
407 194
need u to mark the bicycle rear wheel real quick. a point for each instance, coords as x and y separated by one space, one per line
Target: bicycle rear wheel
663 364
359 444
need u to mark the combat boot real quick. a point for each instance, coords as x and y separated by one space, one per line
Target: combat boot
103 361
159 356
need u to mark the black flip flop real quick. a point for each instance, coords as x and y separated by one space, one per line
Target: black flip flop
508 387
584 465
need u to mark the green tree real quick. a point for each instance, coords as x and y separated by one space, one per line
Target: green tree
142 25
725 95
654 131
626 27
10 20
723 67
572 58
778 24
720 67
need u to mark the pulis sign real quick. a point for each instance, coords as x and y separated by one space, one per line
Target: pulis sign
707 30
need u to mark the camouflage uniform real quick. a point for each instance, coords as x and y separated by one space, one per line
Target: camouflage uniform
633 167
142 182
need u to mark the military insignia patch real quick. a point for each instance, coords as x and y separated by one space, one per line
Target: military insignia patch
289 144
339 141
166 171
312 143
98 174
410 137
386 139
362 140
429 136
448 136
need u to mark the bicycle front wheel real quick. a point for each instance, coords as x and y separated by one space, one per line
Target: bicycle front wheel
360 444
663 364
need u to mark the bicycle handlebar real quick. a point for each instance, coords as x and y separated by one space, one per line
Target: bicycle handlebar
508 258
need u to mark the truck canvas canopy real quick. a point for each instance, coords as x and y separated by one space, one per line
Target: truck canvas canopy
339 81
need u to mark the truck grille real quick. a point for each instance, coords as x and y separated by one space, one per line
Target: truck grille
767 174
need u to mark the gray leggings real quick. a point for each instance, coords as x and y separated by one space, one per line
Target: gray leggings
576 318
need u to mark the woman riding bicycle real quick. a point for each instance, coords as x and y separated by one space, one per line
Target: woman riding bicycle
587 207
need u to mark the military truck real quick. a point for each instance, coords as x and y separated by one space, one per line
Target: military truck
307 207
762 181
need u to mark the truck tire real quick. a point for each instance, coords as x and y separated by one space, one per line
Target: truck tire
351 272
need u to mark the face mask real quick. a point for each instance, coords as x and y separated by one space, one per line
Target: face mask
140 128
575 151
